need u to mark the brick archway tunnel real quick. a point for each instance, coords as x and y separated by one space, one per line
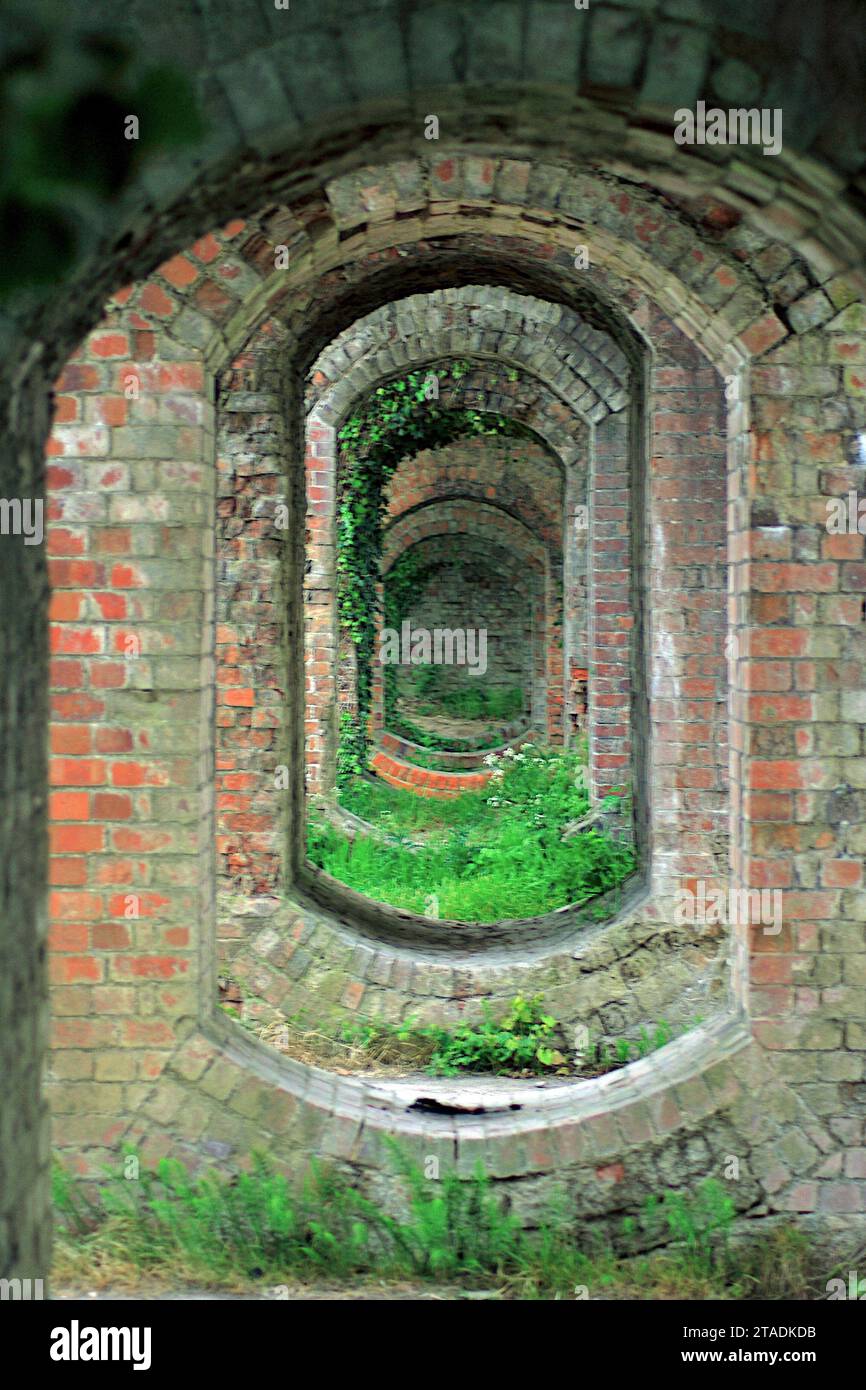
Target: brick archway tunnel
706 268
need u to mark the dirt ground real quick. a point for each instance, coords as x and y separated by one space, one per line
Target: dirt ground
293 1293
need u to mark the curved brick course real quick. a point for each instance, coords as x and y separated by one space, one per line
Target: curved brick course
425 781
552 342
520 478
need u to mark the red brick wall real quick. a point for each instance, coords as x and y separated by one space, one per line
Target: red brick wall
688 608
251 675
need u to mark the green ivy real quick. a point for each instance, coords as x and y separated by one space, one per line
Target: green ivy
395 422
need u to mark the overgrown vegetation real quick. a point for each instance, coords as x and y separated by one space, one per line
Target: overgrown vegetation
225 1231
396 421
471 700
525 1041
407 578
484 856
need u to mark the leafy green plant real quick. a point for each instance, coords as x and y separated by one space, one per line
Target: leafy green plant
482 702
427 680
255 1224
456 1226
525 1039
351 759
505 703
225 1230
521 1041
467 703
402 585
623 1051
698 1223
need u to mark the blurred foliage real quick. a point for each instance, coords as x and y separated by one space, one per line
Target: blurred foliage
66 93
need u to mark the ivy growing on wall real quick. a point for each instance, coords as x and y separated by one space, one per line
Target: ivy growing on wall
398 420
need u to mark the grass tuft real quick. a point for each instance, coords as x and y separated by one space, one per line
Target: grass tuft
217 1231
484 856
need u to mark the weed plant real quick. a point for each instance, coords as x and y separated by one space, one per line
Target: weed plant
225 1231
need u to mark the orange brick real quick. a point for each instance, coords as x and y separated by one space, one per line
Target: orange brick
68 805
70 738
71 907
179 272
77 839
109 345
76 772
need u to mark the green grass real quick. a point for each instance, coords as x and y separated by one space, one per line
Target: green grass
469 700
402 812
485 856
475 702
225 1231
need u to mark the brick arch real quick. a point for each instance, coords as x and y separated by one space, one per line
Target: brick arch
674 802
485 386
175 271
766 330
271 100
536 340
450 538
496 383
218 277
277 140
209 1075
522 551
528 489
442 521
233 266
269 115
253 824
524 481
456 517
549 340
